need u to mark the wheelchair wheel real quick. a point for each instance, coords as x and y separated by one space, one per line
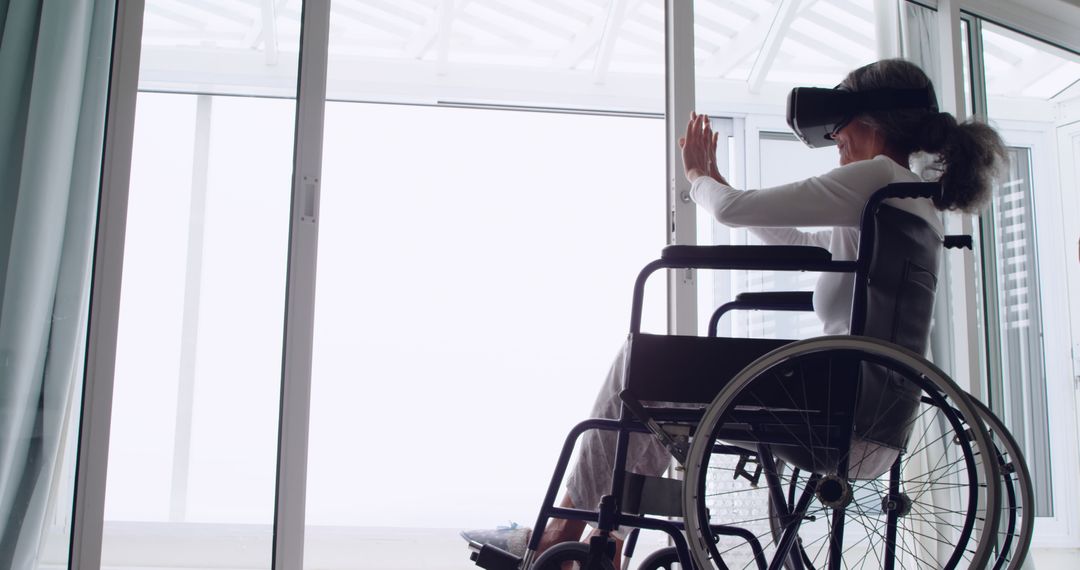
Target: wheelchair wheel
931 509
565 556
1017 496
663 559
1015 524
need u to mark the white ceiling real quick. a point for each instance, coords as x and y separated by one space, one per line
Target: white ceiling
598 54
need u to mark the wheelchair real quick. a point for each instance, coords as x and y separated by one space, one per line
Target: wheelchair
833 452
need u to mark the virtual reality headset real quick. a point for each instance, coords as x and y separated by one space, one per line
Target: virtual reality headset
815 113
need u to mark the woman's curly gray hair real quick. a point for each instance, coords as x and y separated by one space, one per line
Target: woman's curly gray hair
968 154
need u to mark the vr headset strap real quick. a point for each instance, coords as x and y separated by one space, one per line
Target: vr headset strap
892 99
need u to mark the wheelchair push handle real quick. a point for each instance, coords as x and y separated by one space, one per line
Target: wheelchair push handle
959 242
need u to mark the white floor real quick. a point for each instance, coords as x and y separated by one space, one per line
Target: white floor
163 546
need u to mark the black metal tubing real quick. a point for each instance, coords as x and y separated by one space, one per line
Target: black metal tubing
548 510
791 531
749 537
746 301
836 533
893 517
776 493
639 284
859 267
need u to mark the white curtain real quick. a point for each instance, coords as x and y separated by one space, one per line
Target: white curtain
54 61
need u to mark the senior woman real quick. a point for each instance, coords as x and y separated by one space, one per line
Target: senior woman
877 145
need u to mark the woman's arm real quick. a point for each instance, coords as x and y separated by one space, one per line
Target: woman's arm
832 199
792 236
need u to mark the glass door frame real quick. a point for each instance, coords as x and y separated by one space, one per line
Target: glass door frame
95 419
96 414
88 513
1060 530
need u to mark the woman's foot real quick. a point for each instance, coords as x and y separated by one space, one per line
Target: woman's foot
513 539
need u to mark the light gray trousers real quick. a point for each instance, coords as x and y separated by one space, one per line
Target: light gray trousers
590 478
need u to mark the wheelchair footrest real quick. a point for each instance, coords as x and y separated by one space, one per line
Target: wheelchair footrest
494 558
658 496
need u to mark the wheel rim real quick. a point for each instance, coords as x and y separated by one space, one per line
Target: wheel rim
1017 517
576 552
866 518
554 557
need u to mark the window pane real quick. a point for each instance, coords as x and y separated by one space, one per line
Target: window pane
1028 85
1021 389
475 265
470 296
194 435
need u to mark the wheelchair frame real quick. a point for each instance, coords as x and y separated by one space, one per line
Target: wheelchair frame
635 419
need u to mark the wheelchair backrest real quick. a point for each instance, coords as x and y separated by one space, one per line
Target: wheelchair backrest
900 290
902 280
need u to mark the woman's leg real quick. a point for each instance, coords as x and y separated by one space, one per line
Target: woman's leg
561 530
590 478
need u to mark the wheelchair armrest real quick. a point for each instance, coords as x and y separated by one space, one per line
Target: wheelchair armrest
777 300
763 301
743 256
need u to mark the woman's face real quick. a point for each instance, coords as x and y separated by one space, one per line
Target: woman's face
858 141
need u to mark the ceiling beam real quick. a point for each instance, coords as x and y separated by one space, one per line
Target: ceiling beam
395 10
583 43
993 48
422 40
1026 73
221 11
746 42
370 17
157 10
446 22
526 20
861 35
269 31
613 23
781 23
843 57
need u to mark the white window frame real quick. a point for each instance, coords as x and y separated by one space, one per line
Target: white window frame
1063 529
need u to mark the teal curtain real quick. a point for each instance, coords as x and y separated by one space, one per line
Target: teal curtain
54 65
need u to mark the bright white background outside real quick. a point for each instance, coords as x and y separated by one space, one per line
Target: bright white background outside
475 272
229 476
451 282
239 331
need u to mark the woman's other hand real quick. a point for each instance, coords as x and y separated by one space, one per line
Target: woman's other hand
714 170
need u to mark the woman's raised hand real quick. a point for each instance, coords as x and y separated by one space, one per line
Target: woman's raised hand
699 149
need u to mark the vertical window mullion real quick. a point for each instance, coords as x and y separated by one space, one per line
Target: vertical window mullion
679 70
295 403
88 518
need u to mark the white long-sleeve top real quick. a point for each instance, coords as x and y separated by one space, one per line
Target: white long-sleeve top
833 200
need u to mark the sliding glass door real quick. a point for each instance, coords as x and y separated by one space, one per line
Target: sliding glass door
198 371
482 225
1029 88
